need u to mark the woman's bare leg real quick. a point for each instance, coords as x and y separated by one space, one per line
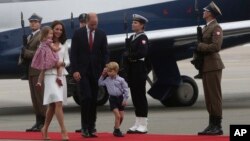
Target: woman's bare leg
49 115
60 119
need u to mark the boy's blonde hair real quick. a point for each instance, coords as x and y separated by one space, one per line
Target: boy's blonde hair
113 66
44 32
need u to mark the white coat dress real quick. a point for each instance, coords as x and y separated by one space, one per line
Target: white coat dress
52 91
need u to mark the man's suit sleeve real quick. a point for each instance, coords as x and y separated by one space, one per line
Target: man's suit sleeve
73 53
105 52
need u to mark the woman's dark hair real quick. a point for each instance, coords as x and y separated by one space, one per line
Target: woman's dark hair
63 38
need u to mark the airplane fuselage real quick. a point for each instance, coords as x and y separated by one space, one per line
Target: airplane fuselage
175 17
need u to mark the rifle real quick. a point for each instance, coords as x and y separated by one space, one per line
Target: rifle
25 41
22 60
72 24
198 57
126 24
126 31
127 50
199 29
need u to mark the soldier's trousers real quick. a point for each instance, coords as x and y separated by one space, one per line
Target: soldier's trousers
36 97
212 90
138 94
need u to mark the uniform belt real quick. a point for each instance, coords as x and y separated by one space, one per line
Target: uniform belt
141 59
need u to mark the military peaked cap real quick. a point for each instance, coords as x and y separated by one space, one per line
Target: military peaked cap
35 17
214 9
82 17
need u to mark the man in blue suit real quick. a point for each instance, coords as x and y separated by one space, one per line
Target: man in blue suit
88 58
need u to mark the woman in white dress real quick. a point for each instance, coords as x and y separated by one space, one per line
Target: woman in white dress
55 96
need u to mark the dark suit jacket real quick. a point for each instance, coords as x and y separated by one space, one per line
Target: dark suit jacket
82 57
211 44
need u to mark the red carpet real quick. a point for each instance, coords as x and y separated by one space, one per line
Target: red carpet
11 135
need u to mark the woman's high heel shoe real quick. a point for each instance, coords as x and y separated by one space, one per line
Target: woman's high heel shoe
45 135
65 136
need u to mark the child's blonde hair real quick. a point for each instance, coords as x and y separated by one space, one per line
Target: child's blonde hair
44 32
113 66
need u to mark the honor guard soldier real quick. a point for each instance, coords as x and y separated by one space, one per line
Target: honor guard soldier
212 69
82 19
137 46
29 52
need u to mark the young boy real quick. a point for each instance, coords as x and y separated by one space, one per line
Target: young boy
118 93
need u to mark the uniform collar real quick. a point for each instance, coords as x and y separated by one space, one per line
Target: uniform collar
136 35
34 32
210 22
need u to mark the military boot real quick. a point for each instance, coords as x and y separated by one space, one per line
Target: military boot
40 122
132 129
217 128
143 126
198 76
34 127
204 132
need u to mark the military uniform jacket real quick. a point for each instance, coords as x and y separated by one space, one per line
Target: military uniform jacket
138 46
32 45
211 45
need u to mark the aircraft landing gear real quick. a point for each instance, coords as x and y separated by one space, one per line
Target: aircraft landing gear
185 94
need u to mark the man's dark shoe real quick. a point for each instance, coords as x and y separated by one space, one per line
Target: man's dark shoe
92 132
118 133
85 133
40 126
34 128
78 130
92 135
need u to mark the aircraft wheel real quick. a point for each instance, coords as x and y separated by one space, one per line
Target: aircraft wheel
185 94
